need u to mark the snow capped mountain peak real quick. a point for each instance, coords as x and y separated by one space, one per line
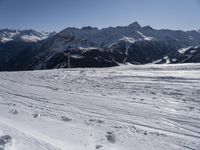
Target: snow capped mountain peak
107 36
33 36
7 35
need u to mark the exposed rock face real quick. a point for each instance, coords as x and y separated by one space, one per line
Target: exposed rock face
190 55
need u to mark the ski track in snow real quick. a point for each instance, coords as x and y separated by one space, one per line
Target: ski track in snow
148 107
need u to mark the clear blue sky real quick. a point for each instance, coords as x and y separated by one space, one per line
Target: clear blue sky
49 15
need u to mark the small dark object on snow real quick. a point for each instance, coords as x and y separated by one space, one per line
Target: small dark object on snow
66 119
110 137
4 140
145 133
99 146
36 115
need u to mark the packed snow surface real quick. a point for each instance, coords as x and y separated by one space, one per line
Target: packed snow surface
150 107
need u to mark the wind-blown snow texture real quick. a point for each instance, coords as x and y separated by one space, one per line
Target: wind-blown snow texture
147 107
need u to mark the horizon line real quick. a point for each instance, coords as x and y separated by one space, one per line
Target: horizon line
114 26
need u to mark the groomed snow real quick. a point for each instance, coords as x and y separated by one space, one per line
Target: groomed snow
146 107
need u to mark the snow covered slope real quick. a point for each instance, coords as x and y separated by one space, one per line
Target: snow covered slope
185 55
7 35
146 107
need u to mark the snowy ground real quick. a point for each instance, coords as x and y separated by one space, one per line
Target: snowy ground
150 107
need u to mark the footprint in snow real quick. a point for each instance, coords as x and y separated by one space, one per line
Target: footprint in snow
13 111
97 121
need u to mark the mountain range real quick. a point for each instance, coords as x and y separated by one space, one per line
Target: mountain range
93 47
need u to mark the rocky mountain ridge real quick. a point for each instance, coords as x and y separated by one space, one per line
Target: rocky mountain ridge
93 47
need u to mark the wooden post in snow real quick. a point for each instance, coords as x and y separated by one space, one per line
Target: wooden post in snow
67 55
68 61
